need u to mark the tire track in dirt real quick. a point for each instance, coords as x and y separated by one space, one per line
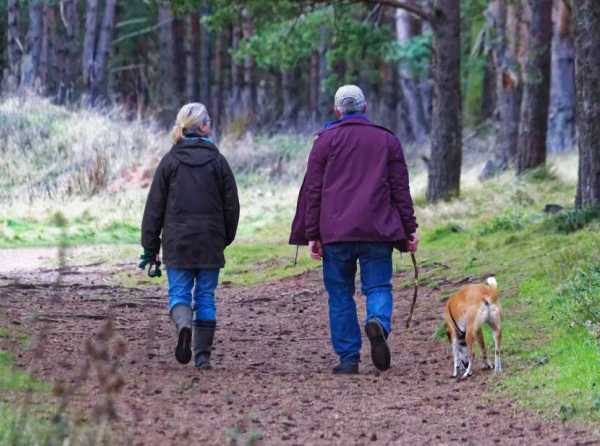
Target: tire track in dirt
271 381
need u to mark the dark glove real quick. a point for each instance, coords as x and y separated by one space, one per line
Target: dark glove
146 258
149 258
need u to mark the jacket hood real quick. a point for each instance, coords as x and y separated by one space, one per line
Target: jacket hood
195 151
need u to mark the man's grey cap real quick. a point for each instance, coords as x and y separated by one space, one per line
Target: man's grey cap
349 95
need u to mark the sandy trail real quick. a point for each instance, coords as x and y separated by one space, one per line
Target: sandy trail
271 382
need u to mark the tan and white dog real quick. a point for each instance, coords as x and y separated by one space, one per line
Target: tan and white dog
466 312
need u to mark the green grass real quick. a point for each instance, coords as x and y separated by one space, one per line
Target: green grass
18 425
12 379
26 232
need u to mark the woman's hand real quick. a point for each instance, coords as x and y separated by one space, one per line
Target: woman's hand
315 249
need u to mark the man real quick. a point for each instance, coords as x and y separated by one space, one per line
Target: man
355 206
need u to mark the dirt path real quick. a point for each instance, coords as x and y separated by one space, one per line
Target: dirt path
271 378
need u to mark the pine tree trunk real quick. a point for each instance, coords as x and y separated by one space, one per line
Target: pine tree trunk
48 62
192 57
314 86
531 150
218 98
205 60
166 88
249 91
508 81
587 68
180 61
561 132
68 66
13 40
289 85
31 63
99 84
488 95
89 42
325 104
408 27
389 97
446 136
237 76
44 66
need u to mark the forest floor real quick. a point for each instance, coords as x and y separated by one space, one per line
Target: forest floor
271 382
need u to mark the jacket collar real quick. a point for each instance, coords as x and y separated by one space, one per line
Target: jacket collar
345 118
352 120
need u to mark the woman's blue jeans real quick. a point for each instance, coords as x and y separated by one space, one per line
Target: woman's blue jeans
339 272
202 283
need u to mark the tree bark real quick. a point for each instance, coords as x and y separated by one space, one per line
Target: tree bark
249 91
446 136
13 42
488 95
218 98
561 132
315 86
99 84
166 88
289 85
180 61
531 151
89 42
390 96
325 103
587 68
68 66
205 59
192 57
48 65
508 80
31 63
237 75
408 27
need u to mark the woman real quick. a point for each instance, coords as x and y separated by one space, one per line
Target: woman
193 201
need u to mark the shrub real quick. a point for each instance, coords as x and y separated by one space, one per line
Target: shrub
575 219
53 151
444 231
507 221
581 295
541 174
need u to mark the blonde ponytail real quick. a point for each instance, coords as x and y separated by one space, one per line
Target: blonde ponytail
190 117
177 133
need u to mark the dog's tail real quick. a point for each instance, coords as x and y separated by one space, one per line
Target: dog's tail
493 284
460 334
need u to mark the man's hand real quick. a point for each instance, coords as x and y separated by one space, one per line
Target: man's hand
315 249
413 242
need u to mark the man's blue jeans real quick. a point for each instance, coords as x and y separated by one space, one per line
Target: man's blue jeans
339 272
181 285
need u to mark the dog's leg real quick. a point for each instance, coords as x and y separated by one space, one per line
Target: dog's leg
470 338
486 362
455 356
497 339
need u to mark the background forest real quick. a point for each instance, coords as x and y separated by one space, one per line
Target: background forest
430 69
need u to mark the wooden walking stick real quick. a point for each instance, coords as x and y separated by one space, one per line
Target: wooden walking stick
416 290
